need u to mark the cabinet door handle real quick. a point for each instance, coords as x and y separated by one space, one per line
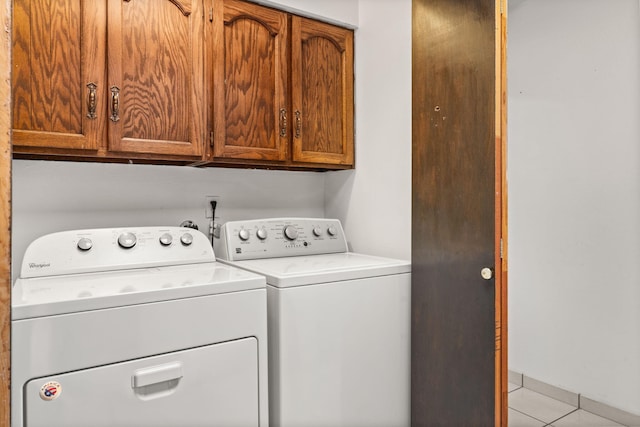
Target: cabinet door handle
283 122
91 101
115 103
298 123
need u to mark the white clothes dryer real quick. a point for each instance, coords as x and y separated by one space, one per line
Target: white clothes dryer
339 323
136 327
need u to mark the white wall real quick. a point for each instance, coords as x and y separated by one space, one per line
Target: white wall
574 196
344 12
374 200
54 196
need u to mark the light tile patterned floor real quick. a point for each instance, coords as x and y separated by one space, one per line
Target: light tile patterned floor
530 409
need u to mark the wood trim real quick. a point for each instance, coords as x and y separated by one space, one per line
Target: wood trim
501 359
5 213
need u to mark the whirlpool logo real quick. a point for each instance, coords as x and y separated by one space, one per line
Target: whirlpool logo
39 265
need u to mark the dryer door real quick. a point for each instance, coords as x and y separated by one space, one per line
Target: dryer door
215 385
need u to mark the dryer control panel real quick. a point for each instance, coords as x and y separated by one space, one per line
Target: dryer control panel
108 249
280 237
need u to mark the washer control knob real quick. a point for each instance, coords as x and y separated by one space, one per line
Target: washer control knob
186 239
261 233
290 232
127 240
84 244
244 234
317 231
332 230
166 239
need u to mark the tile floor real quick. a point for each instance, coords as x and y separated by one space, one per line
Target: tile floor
530 409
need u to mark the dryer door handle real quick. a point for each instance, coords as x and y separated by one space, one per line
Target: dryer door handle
156 374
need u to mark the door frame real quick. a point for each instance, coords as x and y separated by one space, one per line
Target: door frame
5 212
501 208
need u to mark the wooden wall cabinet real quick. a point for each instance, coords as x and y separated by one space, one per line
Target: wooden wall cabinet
102 78
282 88
210 82
322 92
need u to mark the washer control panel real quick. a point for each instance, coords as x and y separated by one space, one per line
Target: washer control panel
106 249
280 237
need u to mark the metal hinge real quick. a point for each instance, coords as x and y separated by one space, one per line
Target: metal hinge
502 2
211 138
501 249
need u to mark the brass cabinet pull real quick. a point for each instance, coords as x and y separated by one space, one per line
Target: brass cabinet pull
91 101
283 122
298 123
115 103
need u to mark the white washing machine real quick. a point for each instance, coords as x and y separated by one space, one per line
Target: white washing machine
339 323
136 327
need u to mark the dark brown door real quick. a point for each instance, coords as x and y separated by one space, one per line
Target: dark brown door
455 337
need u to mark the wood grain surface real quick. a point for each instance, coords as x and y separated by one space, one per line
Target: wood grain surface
5 212
47 76
250 74
158 68
56 53
250 82
322 91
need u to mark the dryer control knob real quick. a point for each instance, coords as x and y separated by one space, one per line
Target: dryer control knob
186 239
332 230
127 240
166 239
85 244
317 231
290 232
244 235
261 233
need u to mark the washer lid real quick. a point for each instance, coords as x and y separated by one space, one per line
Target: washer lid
314 269
52 295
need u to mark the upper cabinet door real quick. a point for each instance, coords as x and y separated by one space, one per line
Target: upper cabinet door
250 108
156 97
322 92
58 74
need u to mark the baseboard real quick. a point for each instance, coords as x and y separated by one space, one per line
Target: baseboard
557 393
515 377
575 399
606 411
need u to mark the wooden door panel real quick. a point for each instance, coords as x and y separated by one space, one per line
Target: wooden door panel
454 213
155 74
250 83
156 69
322 86
56 54
322 92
